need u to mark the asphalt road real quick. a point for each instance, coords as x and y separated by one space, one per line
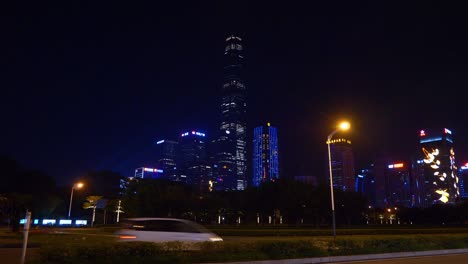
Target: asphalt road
13 255
439 259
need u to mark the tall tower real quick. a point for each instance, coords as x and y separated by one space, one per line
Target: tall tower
342 160
167 151
194 168
233 128
435 171
265 155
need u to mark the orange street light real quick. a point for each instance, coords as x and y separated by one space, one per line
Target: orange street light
78 185
344 125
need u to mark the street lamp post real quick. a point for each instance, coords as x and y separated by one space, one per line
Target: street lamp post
77 186
341 126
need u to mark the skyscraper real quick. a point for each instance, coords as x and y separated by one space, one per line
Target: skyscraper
342 160
436 176
397 183
265 155
463 176
167 151
194 167
233 127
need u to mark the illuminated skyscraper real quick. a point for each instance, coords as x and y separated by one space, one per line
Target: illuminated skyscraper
397 184
167 151
233 128
436 176
342 160
265 155
463 176
365 184
194 168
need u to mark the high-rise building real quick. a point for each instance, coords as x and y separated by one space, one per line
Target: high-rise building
148 173
397 184
194 167
223 163
265 154
463 177
435 172
365 184
233 128
342 160
167 151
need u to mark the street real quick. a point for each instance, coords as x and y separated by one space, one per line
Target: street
439 259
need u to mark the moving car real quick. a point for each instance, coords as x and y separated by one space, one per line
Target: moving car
164 230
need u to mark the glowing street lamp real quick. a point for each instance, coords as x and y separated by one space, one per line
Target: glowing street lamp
78 185
341 126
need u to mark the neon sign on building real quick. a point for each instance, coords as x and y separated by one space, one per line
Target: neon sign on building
196 133
396 166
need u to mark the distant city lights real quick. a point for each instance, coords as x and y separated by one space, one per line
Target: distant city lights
65 222
396 166
465 167
153 170
193 133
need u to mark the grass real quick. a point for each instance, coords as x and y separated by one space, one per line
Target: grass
97 245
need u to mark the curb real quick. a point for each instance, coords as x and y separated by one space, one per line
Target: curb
354 258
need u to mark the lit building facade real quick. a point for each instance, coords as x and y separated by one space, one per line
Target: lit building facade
265 155
398 184
148 173
233 127
436 175
342 161
167 152
223 162
194 167
463 176
365 184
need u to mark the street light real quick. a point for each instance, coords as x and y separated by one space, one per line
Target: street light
342 126
78 185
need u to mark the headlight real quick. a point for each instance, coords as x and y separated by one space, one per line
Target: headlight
214 239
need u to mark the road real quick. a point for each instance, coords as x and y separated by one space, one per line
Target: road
13 255
439 259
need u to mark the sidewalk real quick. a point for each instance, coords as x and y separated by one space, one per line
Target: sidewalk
354 258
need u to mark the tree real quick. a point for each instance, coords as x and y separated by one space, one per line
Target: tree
91 203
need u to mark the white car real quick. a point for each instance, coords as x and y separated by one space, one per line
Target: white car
164 230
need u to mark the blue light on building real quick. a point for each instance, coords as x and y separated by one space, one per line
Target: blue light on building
265 155
144 173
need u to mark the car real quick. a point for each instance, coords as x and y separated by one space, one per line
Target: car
164 230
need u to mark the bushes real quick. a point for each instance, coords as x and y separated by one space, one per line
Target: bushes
174 252
140 252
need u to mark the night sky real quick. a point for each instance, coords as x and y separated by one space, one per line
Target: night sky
91 86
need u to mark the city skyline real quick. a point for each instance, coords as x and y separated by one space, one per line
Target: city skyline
92 90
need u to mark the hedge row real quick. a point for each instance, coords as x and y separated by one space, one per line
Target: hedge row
174 252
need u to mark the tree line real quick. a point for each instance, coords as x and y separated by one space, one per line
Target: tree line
285 201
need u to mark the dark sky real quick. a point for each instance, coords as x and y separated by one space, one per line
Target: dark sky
91 86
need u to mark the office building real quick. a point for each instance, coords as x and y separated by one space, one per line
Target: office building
232 132
148 173
397 183
463 177
224 163
194 167
342 161
166 155
365 184
265 155
435 173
